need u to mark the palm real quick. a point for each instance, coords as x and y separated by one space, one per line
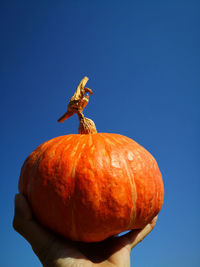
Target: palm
54 251
114 251
86 256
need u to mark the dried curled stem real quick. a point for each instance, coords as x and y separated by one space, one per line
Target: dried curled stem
76 105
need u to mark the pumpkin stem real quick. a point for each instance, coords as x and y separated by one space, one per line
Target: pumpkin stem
76 105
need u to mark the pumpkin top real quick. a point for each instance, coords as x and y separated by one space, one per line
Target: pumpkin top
76 105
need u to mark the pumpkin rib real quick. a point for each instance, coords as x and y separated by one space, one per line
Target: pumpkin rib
62 184
38 158
74 207
22 186
130 177
111 139
134 196
37 174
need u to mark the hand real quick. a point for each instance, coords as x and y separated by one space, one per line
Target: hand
55 251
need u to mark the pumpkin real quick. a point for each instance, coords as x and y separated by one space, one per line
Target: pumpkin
90 186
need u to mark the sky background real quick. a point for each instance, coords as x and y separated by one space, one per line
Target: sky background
143 61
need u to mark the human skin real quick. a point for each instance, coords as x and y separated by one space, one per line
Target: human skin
55 251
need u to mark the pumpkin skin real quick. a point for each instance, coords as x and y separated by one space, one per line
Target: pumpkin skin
87 187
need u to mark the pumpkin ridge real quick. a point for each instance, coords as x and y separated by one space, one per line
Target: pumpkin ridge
73 177
114 139
62 152
39 157
130 178
45 154
134 195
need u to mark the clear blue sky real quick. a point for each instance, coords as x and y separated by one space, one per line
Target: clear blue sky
143 61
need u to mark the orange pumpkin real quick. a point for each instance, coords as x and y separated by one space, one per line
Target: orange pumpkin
90 186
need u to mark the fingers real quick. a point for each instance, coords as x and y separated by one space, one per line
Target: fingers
24 224
50 249
136 236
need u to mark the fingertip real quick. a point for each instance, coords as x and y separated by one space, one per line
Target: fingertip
153 222
18 197
22 208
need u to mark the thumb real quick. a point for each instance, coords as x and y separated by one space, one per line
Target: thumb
134 237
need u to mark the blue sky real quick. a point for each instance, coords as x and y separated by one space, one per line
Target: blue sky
143 61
